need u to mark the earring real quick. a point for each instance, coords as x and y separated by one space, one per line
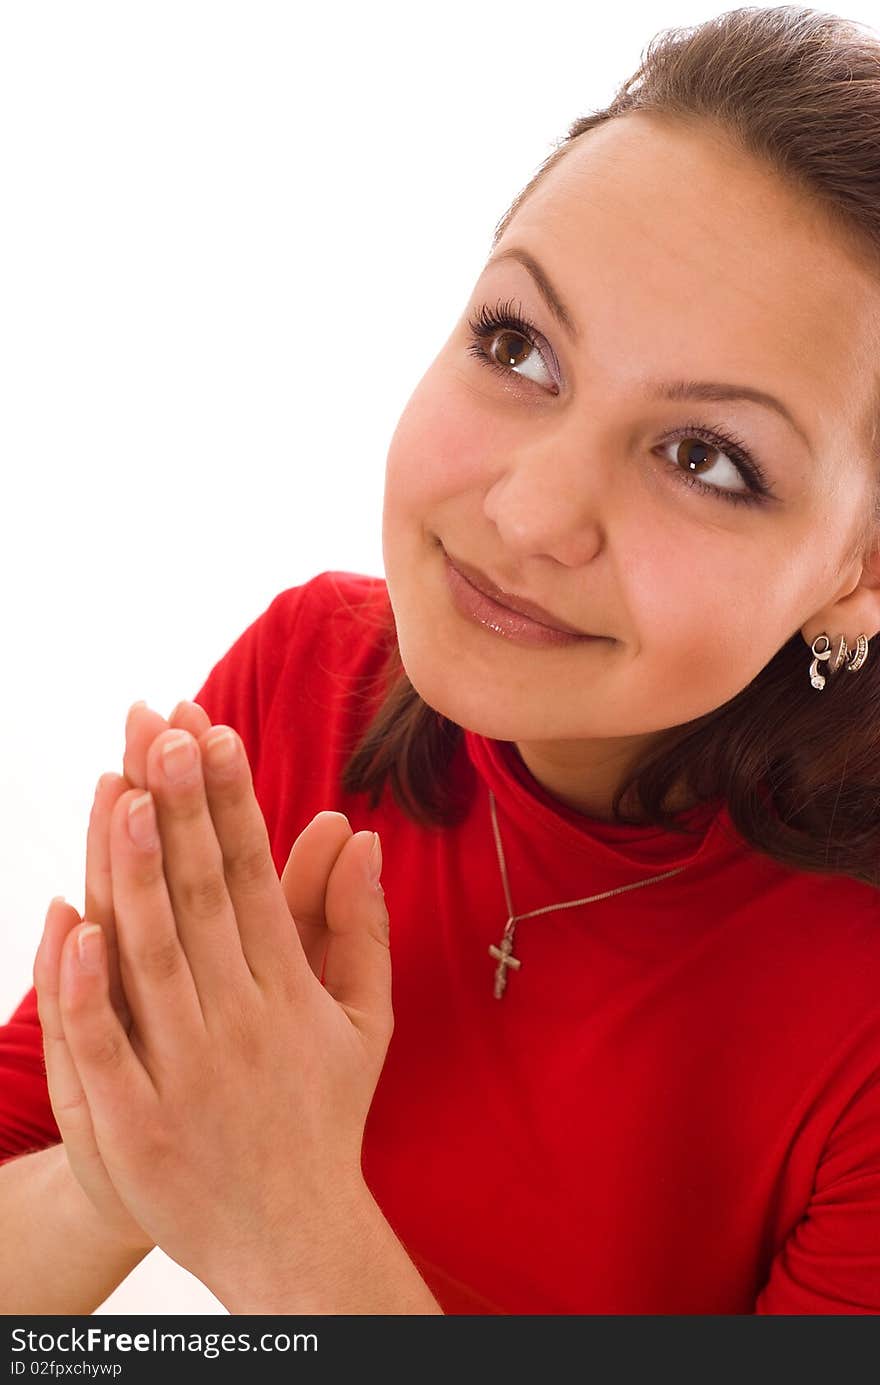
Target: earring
860 654
835 655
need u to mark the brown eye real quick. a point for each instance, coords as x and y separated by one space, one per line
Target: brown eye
505 341
694 457
694 454
507 353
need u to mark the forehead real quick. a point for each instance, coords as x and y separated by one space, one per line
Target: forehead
663 237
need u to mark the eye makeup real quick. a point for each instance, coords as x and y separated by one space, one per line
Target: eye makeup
487 323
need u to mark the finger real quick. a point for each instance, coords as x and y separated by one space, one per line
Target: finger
189 716
142 726
99 886
267 933
357 969
116 1085
192 860
161 988
304 881
66 1092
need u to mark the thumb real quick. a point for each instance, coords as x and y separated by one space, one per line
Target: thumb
357 966
304 880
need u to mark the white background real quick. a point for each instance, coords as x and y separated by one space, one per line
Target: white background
233 238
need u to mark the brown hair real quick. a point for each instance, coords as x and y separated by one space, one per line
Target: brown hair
798 769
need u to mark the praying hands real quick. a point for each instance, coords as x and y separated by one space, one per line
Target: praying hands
214 1035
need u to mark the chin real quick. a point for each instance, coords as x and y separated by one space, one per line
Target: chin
445 681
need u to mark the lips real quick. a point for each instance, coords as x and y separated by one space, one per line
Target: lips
520 604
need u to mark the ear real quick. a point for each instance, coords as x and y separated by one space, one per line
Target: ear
855 613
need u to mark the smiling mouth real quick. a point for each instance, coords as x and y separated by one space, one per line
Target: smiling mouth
517 604
503 621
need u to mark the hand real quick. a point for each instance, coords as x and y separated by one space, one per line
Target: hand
230 1115
65 1090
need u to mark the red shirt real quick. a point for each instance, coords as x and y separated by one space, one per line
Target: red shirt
675 1106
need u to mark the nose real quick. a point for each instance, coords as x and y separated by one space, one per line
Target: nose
543 506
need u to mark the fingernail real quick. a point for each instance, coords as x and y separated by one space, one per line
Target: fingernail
375 862
88 946
56 899
142 822
220 747
179 755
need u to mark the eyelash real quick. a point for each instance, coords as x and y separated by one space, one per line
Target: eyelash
488 322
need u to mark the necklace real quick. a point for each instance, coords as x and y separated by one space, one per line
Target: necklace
503 951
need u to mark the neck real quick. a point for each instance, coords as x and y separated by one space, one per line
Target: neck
590 789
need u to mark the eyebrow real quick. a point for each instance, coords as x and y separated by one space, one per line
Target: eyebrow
662 389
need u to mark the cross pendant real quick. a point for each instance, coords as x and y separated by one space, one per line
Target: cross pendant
504 953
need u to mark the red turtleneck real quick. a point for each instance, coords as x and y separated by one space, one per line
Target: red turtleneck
675 1106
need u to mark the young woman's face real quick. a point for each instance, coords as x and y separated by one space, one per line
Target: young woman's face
558 468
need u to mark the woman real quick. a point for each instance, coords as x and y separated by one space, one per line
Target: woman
611 713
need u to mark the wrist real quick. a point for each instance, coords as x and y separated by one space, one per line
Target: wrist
356 1265
127 1241
291 1274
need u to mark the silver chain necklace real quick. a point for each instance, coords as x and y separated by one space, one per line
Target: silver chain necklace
503 951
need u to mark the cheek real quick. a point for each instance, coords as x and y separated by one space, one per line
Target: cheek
709 616
440 445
